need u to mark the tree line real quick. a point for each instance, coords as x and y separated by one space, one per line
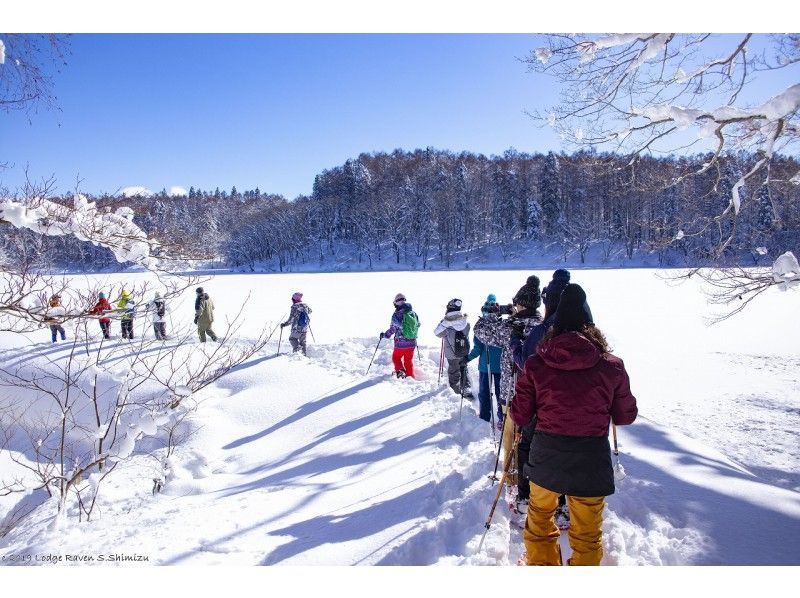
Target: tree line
434 209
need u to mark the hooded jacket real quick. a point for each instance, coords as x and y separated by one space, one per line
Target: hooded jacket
102 306
205 312
396 328
496 331
453 321
575 391
294 319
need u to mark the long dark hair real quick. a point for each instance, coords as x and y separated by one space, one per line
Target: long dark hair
590 331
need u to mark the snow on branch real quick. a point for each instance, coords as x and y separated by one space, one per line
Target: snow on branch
646 92
115 231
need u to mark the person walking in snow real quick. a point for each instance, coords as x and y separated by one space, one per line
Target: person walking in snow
204 317
126 305
573 388
454 331
300 319
198 299
488 368
521 349
494 330
158 309
404 327
101 308
54 317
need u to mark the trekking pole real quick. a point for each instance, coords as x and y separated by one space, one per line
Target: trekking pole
312 334
619 471
441 362
493 477
489 388
280 336
488 523
373 355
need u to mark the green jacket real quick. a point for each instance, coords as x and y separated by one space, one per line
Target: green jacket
126 306
205 313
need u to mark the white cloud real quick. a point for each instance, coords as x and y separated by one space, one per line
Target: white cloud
177 191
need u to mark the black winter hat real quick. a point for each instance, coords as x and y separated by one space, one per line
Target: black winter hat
572 310
454 305
529 295
552 293
199 290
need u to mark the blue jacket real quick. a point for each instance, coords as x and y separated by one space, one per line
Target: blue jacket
479 350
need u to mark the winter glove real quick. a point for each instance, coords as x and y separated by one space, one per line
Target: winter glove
284 325
381 336
195 319
518 329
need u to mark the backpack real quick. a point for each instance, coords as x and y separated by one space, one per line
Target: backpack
460 344
160 308
302 320
410 325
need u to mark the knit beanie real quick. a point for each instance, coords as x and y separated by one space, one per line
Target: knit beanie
297 297
491 298
529 296
199 290
571 313
399 297
454 305
552 293
101 295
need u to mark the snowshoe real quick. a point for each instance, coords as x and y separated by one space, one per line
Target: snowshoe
400 373
521 506
562 517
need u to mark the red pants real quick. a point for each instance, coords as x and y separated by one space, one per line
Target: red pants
403 359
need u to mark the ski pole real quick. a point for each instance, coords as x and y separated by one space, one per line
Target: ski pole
488 523
312 334
280 336
380 338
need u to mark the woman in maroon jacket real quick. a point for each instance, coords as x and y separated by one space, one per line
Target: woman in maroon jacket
573 388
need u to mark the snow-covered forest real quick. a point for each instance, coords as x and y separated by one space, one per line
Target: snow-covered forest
432 209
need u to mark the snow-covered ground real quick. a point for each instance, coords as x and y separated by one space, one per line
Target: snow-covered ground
310 461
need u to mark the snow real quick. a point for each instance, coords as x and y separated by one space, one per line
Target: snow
176 191
543 55
2 52
786 269
782 105
308 461
115 231
136 191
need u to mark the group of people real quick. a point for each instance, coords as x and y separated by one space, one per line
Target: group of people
558 389
125 310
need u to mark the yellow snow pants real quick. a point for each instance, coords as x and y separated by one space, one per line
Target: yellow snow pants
541 534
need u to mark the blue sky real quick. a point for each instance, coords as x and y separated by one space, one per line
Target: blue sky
270 111
273 110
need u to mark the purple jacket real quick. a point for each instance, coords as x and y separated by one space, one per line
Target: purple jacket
396 328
